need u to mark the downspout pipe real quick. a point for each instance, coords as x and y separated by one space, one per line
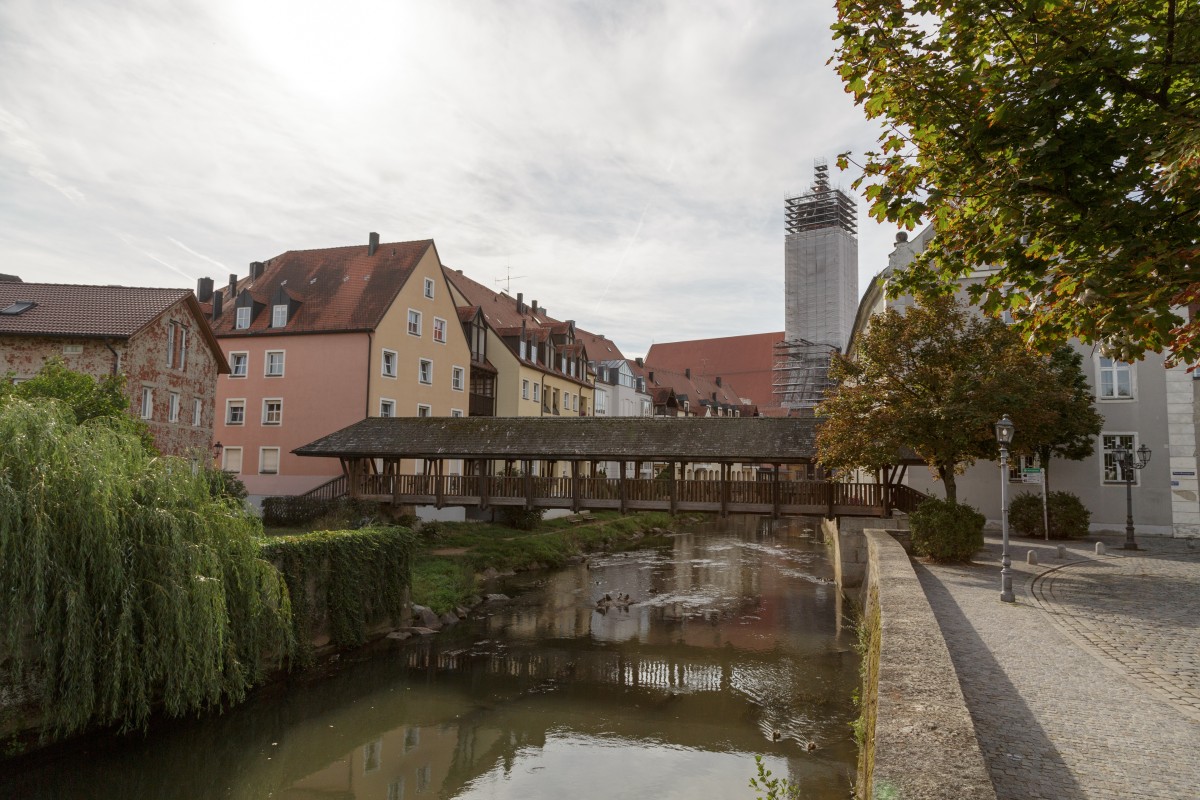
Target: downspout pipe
116 367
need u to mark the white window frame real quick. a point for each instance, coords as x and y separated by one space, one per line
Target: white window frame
425 371
267 373
197 412
147 409
524 388
262 457
429 288
232 403
1104 458
173 407
227 460
1114 367
383 363
388 404
233 373
183 339
458 378
241 318
456 412
171 344
279 315
439 330
414 322
425 408
537 391
266 416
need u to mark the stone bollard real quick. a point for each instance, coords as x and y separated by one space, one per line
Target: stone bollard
1099 548
1031 557
1062 551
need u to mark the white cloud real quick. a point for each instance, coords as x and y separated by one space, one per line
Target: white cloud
630 160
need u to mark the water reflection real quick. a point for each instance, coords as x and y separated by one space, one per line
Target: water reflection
735 646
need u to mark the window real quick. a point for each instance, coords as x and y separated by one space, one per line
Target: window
274 366
243 318
456 378
279 315
238 363
170 345
147 402
601 403
387 408
183 337
372 756
414 322
389 363
524 349
575 402
396 789
1115 379
456 412
268 460
429 288
235 412
272 412
524 389
424 410
231 458
197 412
425 371
173 407
439 330
537 387
1113 473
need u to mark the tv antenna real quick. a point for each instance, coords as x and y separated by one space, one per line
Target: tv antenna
508 279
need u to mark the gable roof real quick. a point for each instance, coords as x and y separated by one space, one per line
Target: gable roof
600 348
745 362
336 289
745 439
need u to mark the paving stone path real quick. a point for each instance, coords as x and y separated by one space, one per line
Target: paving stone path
1089 685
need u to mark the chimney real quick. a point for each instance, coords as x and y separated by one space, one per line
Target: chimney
718 380
372 243
256 270
534 306
641 362
217 300
204 289
687 373
232 285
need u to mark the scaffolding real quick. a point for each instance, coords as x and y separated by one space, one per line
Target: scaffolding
800 376
822 206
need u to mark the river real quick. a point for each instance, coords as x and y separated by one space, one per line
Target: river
735 644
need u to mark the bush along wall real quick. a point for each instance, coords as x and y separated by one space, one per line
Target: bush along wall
288 511
128 586
946 531
343 584
1069 518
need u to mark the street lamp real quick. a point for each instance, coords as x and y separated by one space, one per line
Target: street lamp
1004 436
1124 458
218 448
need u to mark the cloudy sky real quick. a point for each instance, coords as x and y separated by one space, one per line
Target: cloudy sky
625 162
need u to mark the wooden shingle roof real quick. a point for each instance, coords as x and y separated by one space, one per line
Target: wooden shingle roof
731 439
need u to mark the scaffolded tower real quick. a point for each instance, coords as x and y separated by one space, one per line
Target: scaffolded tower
820 288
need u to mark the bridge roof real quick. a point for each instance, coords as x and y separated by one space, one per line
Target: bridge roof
731 439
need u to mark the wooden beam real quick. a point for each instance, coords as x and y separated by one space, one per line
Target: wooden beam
724 489
575 486
528 470
621 488
439 491
775 491
674 490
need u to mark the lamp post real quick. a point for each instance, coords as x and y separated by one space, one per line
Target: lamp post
1004 435
218 448
1124 457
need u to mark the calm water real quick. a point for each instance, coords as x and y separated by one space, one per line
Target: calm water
736 646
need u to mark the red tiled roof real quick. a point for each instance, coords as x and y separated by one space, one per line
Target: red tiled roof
743 362
600 348
467 313
115 312
337 288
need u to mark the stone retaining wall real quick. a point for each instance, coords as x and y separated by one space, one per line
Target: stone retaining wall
922 742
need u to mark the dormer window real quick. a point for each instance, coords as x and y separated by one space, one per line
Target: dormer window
243 318
279 315
17 307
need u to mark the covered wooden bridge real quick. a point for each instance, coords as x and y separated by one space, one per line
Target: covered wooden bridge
558 462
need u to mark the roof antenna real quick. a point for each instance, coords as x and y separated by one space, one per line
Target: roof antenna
508 279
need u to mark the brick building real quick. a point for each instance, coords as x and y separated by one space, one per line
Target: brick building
157 338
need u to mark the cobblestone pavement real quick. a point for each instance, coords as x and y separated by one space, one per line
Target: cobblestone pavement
1089 685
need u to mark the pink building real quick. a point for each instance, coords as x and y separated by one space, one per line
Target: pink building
158 338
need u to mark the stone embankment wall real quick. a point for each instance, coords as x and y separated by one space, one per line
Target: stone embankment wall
918 739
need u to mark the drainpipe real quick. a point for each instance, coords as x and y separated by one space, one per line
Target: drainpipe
370 350
116 367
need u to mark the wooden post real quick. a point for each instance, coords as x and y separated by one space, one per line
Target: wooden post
673 489
439 492
356 478
575 486
886 493
724 489
484 480
621 488
775 490
396 483
528 469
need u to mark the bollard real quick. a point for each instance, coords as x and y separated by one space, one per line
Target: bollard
1099 548
1062 551
1031 557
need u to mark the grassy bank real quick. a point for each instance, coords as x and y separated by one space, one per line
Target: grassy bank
453 554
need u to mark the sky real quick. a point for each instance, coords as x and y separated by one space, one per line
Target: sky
626 164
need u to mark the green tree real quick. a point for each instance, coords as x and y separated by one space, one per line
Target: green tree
935 380
1055 139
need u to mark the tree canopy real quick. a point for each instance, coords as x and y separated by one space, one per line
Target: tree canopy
936 379
1057 140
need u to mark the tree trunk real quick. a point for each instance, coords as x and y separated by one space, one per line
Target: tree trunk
947 476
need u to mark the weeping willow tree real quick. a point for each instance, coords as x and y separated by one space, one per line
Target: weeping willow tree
127 586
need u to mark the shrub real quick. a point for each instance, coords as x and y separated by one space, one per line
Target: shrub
522 519
1069 519
946 531
292 511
